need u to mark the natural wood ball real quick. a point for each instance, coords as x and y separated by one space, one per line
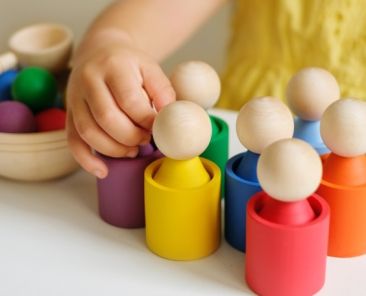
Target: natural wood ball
343 127
310 91
182 130
262 121
289 170
197 82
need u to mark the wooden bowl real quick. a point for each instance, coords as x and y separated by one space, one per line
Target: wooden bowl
43 45
35 156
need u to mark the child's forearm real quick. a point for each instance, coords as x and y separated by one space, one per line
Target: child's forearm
156 26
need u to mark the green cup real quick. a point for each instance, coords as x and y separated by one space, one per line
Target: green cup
218 149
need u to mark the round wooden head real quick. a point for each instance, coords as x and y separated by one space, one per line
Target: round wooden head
263 121
289 170
197 82
310 91
343 127
182 130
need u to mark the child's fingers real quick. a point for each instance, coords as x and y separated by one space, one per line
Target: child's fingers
157 85
128 92
111 118
82 152
95 137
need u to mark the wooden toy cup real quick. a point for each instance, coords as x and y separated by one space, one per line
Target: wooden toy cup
285 260
218 149
183 224
287 224
237 193
182 190
43 45
260 122
121 193
343 183
347 234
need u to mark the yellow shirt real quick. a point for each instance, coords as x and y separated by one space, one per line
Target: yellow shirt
272 39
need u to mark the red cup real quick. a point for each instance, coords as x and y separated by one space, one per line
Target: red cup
286 260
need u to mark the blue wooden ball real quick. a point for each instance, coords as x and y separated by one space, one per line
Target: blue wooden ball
6 80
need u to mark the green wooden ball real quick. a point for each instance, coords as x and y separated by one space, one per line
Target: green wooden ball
35 87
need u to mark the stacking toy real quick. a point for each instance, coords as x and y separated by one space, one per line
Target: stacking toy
260 122
35 87
287 224
344 179
50 120
121 193
8 61
46 45
182 190
309 93
6 80
198 82
15 117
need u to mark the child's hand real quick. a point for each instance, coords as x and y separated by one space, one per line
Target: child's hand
109 98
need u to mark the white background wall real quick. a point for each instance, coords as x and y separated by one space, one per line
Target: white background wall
207 44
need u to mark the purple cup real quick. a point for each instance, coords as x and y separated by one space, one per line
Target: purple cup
121 193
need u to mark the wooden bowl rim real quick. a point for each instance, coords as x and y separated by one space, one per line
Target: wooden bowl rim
15 39
33 138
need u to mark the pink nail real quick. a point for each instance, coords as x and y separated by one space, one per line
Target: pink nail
132 154
99 174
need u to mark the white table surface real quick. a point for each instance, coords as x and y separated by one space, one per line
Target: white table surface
52 242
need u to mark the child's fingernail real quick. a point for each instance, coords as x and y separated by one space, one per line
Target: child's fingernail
99 174
132 154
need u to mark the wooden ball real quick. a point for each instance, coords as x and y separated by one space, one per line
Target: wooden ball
310 92
197 82
50 120
289 170
182 130
343 127
35 87
263 121
6 80
15 117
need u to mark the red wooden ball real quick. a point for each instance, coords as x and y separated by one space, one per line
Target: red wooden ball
50 120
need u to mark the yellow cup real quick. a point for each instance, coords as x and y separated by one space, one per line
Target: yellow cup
185 223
